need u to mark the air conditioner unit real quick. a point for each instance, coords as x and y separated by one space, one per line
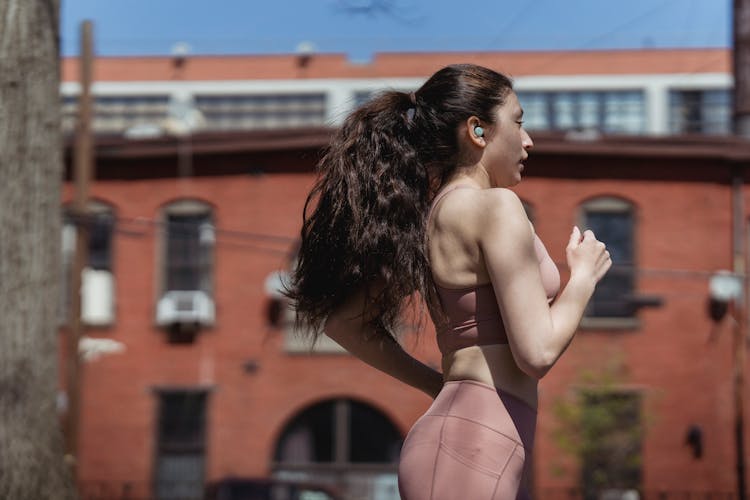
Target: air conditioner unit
179 307
97 297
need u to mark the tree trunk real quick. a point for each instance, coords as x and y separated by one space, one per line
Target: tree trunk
31 457
741 67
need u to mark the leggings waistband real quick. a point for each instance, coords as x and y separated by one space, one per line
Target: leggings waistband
486 405
500 392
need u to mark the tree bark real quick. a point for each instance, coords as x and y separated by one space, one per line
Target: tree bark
31 452
741 67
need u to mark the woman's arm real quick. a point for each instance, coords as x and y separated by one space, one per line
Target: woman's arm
347 326
538 333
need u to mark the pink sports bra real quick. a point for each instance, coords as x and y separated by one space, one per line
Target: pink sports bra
472 312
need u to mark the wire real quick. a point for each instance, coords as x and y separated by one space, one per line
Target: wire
589 43
186 231
192 229
656 272
188 228
522 12
624 25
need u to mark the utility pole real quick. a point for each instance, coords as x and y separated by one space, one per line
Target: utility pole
83 173
741 126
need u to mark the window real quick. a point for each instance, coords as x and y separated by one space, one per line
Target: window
100 222
700 111
611 439
344 443
181 445
116 113
536 115
624 112
97 306
68 112
185 305
189 242
361 97
608 111
255 111
611 219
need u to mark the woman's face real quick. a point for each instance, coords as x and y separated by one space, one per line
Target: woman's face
508 144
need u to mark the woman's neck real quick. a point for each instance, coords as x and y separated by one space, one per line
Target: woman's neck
474 175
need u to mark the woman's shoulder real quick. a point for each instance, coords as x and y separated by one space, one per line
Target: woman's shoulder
501 202
468 204
475 211
463 202
504 217
500 195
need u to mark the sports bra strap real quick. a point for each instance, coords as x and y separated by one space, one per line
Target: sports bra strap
442 195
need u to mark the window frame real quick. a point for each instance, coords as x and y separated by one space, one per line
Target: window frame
250 111
579 101
613 204
708 101
187 207
341 466
198 447
68 231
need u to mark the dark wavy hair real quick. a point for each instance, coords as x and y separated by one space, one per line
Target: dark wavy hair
376 182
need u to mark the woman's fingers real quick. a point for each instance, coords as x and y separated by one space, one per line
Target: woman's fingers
575 238
586 251
604 267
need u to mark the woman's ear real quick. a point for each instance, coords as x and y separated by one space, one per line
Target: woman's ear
475 132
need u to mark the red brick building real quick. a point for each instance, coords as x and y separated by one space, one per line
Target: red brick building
241 397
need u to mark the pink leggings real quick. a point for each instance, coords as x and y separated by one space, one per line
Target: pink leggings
474 443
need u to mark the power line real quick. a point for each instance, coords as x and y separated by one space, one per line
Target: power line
191 228
521 13
624 25
653 272
245 240
608 34
179 227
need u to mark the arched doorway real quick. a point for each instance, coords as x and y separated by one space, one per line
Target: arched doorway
344 443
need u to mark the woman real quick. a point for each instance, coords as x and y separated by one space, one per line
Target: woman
413 198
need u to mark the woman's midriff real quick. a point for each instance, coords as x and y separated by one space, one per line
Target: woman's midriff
493 365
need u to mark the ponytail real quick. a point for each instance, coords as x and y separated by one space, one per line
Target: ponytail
366 230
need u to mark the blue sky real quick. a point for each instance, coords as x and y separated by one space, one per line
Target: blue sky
152 27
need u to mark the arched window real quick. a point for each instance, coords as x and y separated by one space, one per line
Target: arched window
185 304
613 222
97 280
188 247
344 443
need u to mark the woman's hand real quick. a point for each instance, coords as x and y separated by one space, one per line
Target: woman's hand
587 256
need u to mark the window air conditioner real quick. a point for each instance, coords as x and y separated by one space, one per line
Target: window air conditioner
97 297
185 308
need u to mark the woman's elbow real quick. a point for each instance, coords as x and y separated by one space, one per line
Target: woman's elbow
343 328
335 327
536 366
535 372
